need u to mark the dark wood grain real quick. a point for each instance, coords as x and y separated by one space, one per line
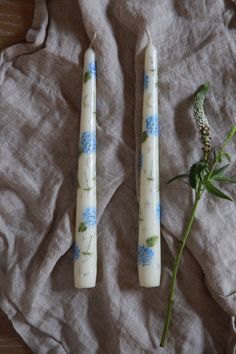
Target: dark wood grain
10 341
15 19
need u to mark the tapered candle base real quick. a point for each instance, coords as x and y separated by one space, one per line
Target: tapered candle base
83 280
147 279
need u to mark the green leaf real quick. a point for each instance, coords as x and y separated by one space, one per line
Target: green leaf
230 135
144 136
203 165
215 191
214 154
151 241
178 177
203 170
224 179
198 171
228 157
82 227
87 76
219 157
193 176
220 170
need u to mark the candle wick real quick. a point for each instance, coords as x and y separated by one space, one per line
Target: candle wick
149 36
92 41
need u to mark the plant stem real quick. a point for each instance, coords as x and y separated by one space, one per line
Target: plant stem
175 270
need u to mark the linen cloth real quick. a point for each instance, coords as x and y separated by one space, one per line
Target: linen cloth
41 83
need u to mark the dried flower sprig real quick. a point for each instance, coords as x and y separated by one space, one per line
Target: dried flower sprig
202 177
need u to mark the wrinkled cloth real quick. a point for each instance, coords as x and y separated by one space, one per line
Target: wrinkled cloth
40 99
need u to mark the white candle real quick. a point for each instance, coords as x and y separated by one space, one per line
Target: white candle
85 248
149 255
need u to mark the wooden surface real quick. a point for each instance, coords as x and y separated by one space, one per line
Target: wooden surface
10 342
15 19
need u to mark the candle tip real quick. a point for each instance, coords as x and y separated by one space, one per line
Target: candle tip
149 35
92 41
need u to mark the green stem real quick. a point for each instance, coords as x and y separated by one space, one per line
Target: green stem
175 270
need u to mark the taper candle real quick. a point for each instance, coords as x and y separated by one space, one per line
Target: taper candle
149 255
85 248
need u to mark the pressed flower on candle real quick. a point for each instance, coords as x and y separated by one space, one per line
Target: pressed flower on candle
88 142
145 255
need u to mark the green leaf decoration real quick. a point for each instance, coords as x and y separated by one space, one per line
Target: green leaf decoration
224 179
144 136
151 241
88 189
178 177
87 253
82 227
87 76
215 191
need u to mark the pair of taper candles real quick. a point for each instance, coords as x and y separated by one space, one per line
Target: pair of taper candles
85 248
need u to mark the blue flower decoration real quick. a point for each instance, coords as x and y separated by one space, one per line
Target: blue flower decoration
92 68
145 81
89 216
88 142
158 211
152 125
76 252
145 255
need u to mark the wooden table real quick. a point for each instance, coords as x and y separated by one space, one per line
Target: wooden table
15 19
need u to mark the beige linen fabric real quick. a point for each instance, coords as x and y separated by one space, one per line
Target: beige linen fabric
39 128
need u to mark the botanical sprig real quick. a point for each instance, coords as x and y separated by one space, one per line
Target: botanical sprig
203 176
201 119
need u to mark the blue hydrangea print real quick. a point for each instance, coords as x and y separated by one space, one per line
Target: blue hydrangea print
152 125
145 255
92 69
145 81
89 216
88 142
76 252
158 211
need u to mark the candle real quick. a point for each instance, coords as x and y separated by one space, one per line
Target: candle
149 256
85 248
